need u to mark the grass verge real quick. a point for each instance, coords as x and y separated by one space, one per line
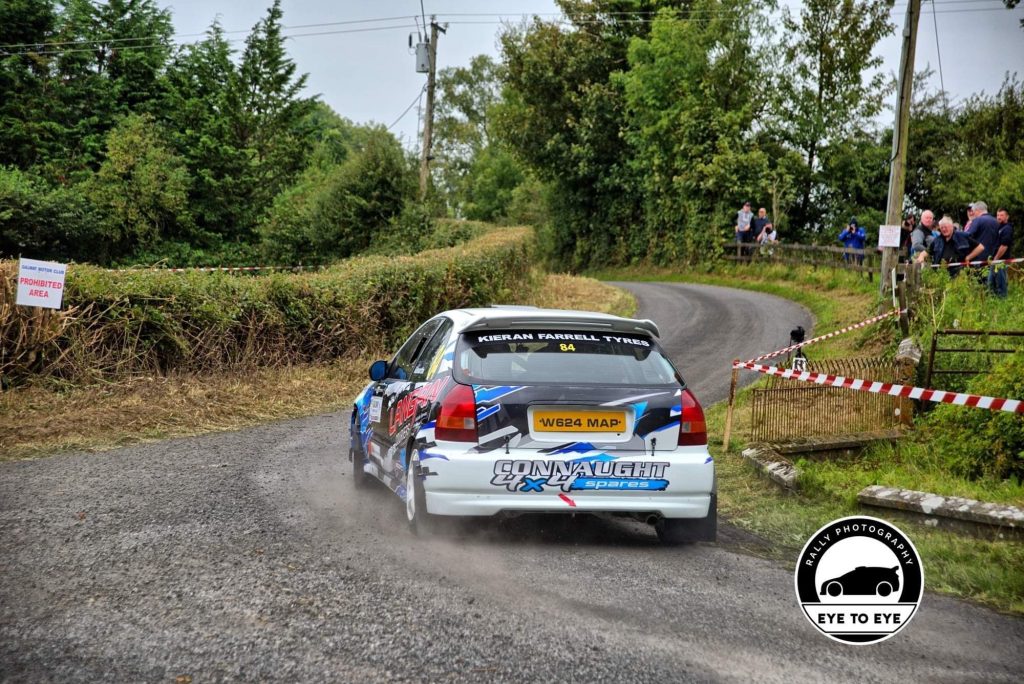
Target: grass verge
990 572
46 418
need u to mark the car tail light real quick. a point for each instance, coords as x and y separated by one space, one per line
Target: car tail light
692 428
456 421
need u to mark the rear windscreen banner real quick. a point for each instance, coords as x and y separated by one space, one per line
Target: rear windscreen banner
601 339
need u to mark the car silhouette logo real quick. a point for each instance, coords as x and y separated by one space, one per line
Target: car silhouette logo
863 581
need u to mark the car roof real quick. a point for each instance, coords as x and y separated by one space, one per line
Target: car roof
508 317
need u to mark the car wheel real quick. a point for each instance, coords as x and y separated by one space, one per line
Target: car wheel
834 589
420 522
359 477
883 589
674 531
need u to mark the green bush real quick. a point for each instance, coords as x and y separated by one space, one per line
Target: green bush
116 324
341 210
41 221
978 443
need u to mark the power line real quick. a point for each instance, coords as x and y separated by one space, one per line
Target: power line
233 40
938 51
637 16
411 104
204 33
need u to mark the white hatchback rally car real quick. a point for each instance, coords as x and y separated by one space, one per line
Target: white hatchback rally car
520 409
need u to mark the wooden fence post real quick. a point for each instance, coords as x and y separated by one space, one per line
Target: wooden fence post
732 406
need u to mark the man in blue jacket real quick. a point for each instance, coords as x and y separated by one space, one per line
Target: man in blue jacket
950 246
997 275
853 237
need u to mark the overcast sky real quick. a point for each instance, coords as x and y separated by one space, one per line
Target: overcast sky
362 67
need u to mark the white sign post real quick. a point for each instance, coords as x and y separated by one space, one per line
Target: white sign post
40 283
888 236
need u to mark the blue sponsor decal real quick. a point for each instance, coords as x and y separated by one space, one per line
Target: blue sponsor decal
429 454
486 412
485 394
575 448
708 460
594 459
599 483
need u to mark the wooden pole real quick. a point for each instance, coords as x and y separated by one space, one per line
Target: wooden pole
732 406
428 118
897 168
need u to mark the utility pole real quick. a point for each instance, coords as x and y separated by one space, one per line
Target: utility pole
898 167
428 119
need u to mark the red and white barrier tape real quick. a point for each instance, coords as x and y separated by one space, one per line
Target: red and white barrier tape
214 269
835 333
980 263
938 396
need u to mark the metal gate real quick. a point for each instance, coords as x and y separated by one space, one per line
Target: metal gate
785 409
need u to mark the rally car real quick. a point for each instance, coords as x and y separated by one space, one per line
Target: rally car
519 409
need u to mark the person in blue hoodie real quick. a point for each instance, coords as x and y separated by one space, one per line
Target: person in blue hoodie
853 237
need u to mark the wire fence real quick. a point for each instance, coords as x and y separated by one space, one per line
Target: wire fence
786 410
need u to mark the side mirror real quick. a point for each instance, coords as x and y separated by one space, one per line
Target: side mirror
379 370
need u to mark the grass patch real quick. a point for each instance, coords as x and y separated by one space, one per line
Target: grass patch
48 417
990 572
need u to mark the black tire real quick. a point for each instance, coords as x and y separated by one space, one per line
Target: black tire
675 531
834 589
883 589
420 522
355 454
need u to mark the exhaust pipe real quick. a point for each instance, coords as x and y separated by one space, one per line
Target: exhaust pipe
653 519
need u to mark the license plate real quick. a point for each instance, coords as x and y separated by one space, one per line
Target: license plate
547 420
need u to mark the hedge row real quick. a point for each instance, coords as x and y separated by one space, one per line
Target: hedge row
119 324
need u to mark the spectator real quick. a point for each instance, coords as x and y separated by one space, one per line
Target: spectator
985 230
906 236
853 237
743 218
757 225
950 247
768 237
970 217
997 280
922 235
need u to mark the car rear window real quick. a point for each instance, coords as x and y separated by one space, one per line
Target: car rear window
528 357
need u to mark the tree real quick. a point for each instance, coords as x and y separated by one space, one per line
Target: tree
196 112
141 189
562 116
339 211
691 94
266 118
113 68
465 96
26 111
823 94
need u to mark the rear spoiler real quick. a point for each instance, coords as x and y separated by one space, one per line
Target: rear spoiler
525 320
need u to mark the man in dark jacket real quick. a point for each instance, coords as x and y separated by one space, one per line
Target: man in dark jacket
997 276
950 247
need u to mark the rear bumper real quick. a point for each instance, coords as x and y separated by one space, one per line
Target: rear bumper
672 484
667 506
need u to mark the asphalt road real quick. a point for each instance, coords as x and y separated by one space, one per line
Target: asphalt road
247 556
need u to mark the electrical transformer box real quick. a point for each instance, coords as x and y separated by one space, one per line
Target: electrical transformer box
422 58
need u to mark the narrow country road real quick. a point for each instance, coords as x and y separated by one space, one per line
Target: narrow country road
248 556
